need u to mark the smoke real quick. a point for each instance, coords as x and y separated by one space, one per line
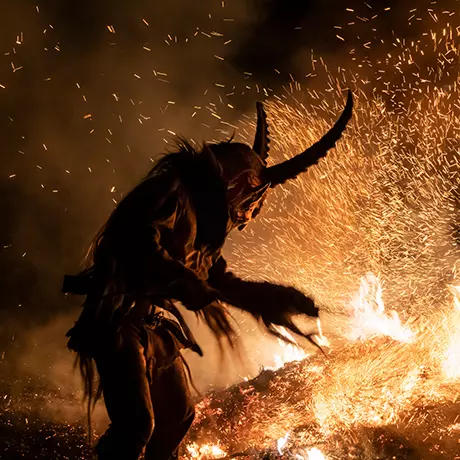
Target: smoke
85 109
91 93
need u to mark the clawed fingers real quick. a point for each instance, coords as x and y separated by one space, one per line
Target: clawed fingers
289 325
218 320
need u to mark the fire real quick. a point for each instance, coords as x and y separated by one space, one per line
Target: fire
204 451
368 314
288 351
382 204
384 371
281 443
315 454
291 352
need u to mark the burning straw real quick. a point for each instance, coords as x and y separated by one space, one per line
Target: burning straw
396 377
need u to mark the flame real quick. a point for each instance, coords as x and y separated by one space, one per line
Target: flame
281 443
315 454
383 202
368 314
288 352
205 451
369 382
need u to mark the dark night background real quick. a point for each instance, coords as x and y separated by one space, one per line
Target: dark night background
84 109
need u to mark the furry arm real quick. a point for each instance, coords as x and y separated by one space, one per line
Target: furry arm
262 299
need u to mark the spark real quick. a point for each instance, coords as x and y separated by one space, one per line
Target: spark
369 233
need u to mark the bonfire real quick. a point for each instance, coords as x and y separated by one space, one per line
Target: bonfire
385 393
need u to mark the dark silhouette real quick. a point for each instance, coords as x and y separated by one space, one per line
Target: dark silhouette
163 242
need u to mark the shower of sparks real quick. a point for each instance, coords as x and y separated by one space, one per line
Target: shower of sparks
374 221
370 232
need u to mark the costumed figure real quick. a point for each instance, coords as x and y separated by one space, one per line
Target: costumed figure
162 244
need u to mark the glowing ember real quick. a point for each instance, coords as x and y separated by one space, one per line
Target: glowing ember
205 451
369 317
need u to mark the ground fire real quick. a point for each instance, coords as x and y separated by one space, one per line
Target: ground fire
372 398
385 389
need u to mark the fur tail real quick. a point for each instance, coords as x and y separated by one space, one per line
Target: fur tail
92 392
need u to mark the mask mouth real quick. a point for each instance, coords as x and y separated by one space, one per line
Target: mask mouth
248 206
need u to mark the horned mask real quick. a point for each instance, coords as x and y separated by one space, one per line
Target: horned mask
247 174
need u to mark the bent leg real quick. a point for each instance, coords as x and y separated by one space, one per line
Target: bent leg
126 391
174 412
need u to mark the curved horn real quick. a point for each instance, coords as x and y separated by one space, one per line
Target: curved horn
261 139
291 168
